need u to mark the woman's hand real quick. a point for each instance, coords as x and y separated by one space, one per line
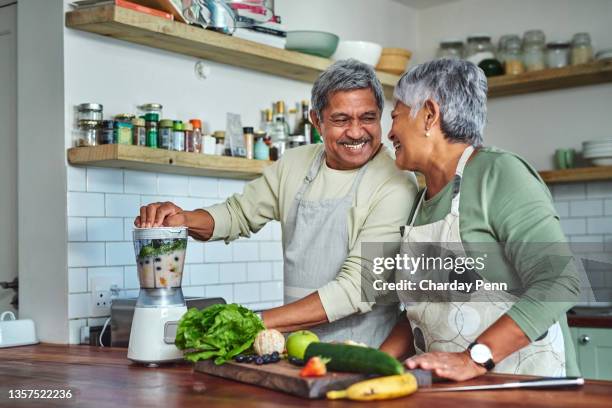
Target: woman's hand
161 214
454 366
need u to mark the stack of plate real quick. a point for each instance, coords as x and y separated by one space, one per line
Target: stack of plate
598 151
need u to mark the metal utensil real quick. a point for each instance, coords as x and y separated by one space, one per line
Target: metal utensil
553 382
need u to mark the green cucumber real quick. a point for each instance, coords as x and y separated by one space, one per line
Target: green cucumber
355 359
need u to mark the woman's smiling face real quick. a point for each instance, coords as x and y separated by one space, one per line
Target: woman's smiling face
407 136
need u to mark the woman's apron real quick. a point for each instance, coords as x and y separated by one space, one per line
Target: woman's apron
451 326
315 243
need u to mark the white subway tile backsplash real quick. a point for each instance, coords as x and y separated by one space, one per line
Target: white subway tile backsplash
148 199
128 228
77 280
86 254
77 229
195 252
85 204
571 191
188 203
206 187
573 226
259 271
104 180
122 205
277 231
271 290
224 291
194 291
77 178
120 253
105 229
245 251
586 208
140 182
230 187
130 278
599 189
264 234
212 201
204 274
608 243
270 251
78 305
600 225
277 271
232 273
562 208
113 274
217 251
173 184
265 305
74 330
246 292
608 207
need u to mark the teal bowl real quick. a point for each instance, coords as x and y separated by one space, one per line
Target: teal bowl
317 43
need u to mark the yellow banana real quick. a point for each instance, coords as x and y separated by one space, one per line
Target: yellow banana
393 386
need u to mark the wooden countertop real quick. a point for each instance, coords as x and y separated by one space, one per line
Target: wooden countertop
103 377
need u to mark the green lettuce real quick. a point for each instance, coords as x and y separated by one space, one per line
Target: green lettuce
219 331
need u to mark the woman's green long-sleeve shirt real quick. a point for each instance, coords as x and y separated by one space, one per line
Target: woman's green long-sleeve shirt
503 200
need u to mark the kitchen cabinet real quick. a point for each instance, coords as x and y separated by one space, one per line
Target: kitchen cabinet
593 351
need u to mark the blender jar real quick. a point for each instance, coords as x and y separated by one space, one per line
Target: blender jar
160 256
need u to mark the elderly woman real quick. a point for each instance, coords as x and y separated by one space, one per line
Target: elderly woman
477 195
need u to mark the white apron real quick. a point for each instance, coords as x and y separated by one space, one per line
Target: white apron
451 326
315 244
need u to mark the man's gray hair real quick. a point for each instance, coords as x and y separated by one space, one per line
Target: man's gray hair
345 75
460 89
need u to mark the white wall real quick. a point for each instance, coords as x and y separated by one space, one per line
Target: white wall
532 125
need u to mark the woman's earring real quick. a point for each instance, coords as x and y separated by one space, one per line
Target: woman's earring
427 134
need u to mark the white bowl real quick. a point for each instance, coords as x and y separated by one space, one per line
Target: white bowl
602 161
366 52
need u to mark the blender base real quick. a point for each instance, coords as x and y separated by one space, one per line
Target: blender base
153 333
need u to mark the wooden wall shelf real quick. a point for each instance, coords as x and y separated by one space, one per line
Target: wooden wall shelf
157 32
576 175
549 79
166 161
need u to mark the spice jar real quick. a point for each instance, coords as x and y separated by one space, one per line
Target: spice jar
123 129
249 141
178 136
479 47
557 54
88 133
155 108
513 56
582 50
296 140
502 45
450 48
89 111
107 132
139 133
533 50
189 142
209 145
219 136
261 149
151 120
164 134
194 138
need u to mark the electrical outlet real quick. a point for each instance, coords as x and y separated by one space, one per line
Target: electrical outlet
100 301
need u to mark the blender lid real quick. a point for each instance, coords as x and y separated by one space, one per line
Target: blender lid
160 233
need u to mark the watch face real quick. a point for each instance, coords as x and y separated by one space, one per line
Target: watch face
480 353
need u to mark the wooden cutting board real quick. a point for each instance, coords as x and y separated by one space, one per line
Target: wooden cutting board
285 377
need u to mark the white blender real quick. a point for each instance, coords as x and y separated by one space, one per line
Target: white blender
160 255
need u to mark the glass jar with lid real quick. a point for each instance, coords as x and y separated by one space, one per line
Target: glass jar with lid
89 111
479 48
450 48
557 54
513 56
502 45
533 50
148 108
123 128
88 133
164 134
582 50
107 132
139 133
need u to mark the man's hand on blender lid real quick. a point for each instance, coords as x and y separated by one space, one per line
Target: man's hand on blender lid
159 214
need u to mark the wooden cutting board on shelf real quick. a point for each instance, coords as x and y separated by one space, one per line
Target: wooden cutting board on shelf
285 377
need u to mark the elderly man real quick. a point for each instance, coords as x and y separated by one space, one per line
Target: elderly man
329 199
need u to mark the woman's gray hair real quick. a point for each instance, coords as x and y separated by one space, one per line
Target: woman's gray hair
345 75
460 89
